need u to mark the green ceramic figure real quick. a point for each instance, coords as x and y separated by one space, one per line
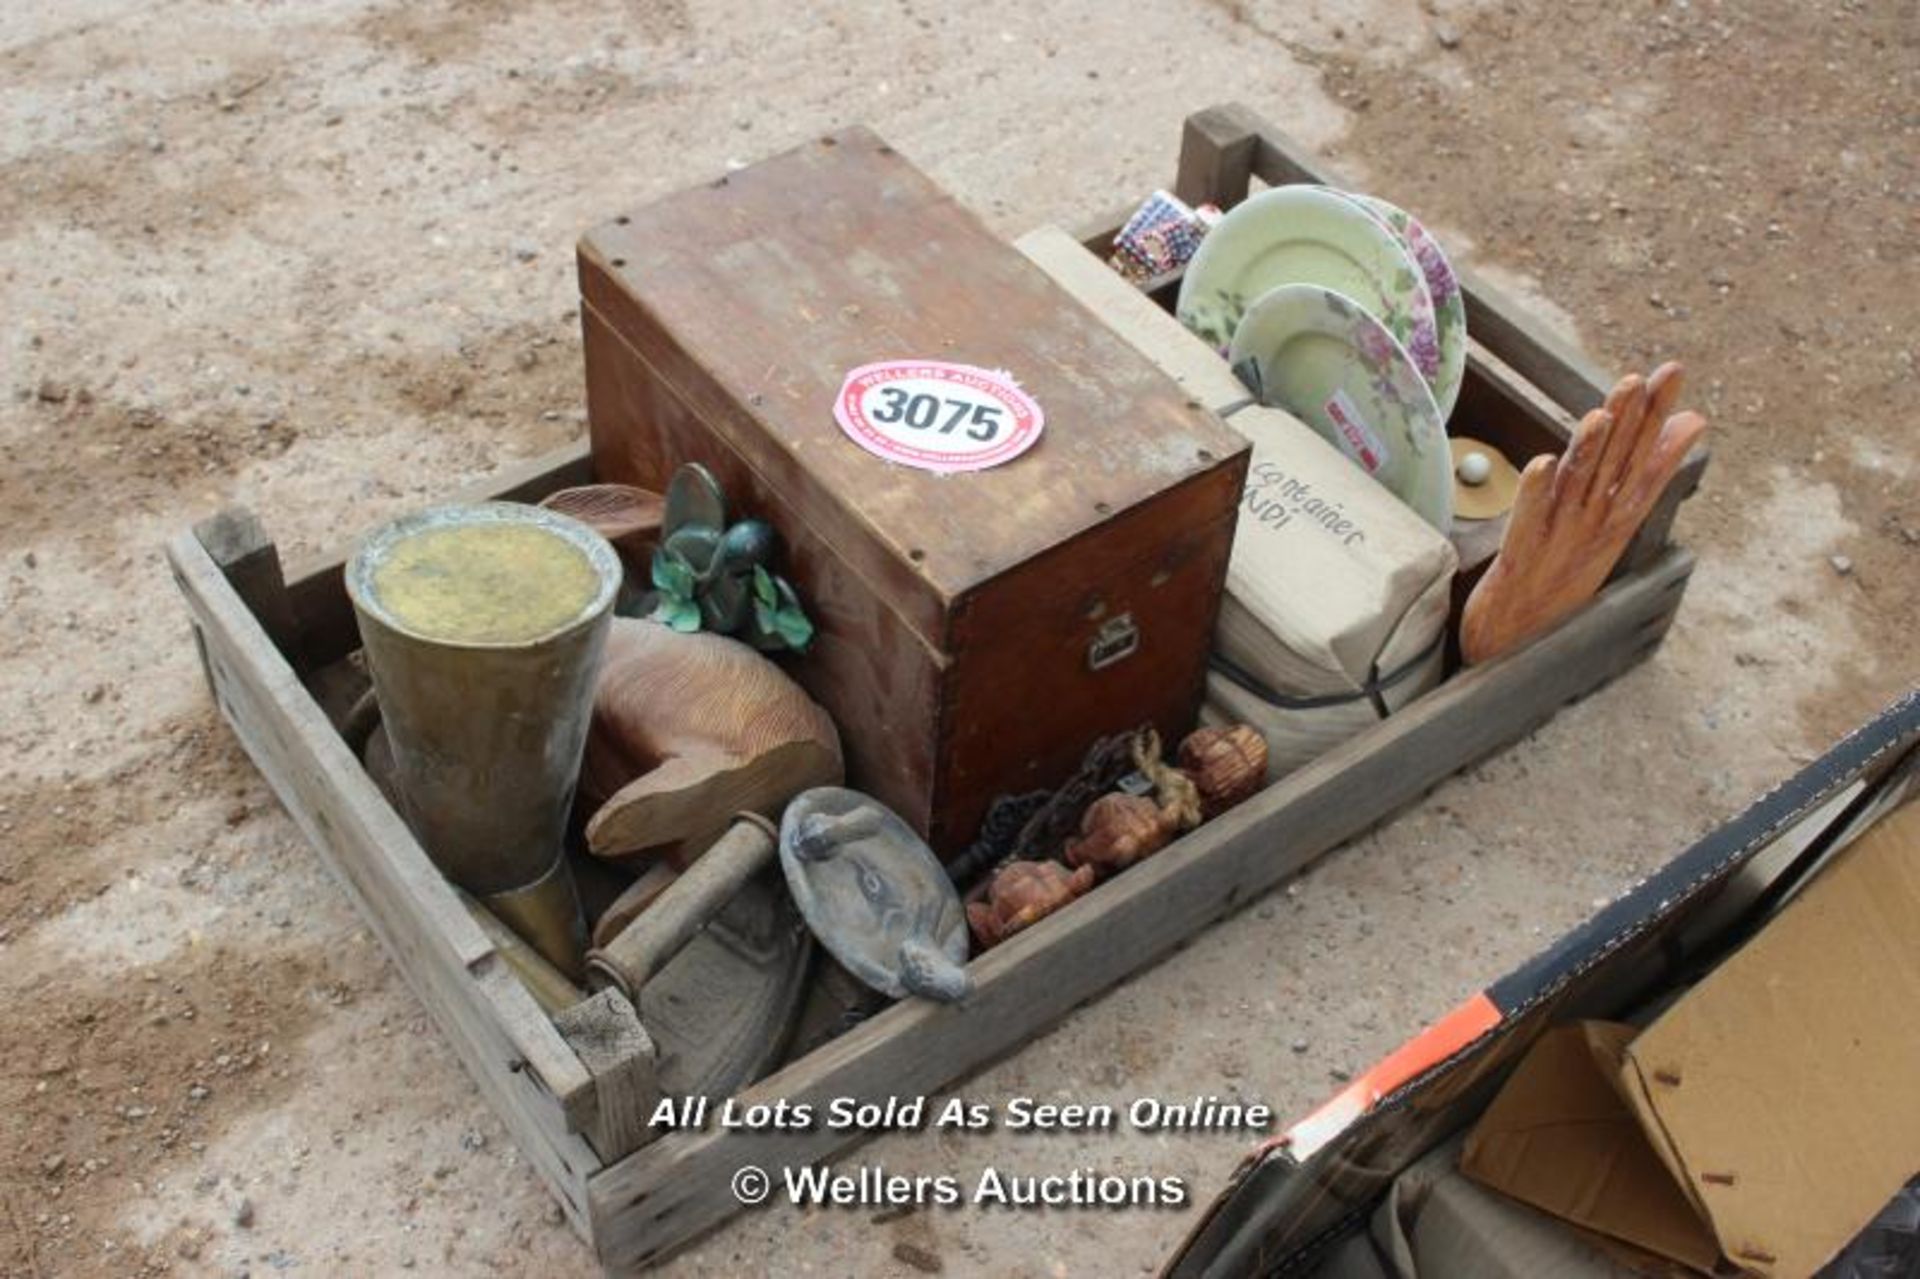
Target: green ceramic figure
711 575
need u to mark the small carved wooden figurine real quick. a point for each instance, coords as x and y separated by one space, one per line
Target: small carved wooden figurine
1020 894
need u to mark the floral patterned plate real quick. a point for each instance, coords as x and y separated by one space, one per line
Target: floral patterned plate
1319 355
1307 235
1449 308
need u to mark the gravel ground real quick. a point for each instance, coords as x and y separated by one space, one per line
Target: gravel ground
316 259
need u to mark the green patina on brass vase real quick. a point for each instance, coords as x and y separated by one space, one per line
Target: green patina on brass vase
483 628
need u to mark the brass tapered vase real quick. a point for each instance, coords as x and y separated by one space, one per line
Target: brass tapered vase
483 627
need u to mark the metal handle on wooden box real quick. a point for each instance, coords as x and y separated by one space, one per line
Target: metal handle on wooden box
1117 639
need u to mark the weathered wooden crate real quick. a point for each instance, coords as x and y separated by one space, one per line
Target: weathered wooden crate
275 649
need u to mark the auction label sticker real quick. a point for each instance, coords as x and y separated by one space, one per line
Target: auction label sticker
1358 440
938 416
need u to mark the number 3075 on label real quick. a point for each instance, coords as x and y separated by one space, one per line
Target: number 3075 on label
936 415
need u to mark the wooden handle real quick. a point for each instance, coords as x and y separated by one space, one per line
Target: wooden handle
643 948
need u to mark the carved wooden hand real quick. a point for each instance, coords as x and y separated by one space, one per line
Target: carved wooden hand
1575 514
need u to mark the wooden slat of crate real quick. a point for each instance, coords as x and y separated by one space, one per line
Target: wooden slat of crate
666 1193
527 1070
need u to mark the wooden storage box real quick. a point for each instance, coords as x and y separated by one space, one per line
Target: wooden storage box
274 649
977 630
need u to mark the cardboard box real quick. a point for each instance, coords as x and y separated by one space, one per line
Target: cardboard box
1768 1114
1795 1050
1563 1137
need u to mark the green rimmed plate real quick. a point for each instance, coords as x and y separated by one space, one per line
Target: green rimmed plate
1322 357
1305 235
1449 308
